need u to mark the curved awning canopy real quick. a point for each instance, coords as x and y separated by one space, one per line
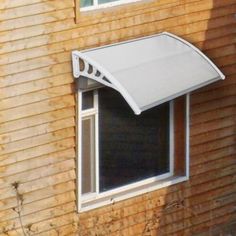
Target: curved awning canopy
146 71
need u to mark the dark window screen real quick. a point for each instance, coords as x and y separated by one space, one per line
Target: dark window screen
131 147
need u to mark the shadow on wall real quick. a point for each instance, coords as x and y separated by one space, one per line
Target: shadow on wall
217 216
206 205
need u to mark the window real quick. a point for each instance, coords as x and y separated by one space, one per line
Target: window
122 154
96 4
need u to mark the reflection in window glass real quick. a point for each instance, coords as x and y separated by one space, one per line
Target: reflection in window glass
86 3
106 1
87 100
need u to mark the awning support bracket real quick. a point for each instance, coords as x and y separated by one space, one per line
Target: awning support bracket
92 70
82 67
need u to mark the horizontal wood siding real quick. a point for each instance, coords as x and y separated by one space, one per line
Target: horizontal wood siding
37 119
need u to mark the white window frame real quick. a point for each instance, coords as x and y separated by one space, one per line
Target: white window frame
97 6
94 200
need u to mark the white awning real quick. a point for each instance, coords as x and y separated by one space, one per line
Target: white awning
147 71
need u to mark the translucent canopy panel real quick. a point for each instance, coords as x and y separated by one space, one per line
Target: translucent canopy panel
147 71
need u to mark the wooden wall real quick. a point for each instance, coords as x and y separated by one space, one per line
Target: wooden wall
37 119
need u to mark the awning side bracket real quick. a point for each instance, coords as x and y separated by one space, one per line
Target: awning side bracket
82 67
86 67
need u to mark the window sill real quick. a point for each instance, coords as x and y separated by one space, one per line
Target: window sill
122 195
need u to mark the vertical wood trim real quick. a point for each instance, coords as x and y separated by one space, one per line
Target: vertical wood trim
77 11
180 135
187 133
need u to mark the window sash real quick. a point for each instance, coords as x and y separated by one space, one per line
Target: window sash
131 148
123 190
82 115
88 155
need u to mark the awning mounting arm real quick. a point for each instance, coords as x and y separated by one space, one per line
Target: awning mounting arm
86 67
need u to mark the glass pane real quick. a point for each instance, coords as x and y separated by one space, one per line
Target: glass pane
106 1
87 100
131 147
86 3
88 155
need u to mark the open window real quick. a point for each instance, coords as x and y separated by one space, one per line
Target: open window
133 116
